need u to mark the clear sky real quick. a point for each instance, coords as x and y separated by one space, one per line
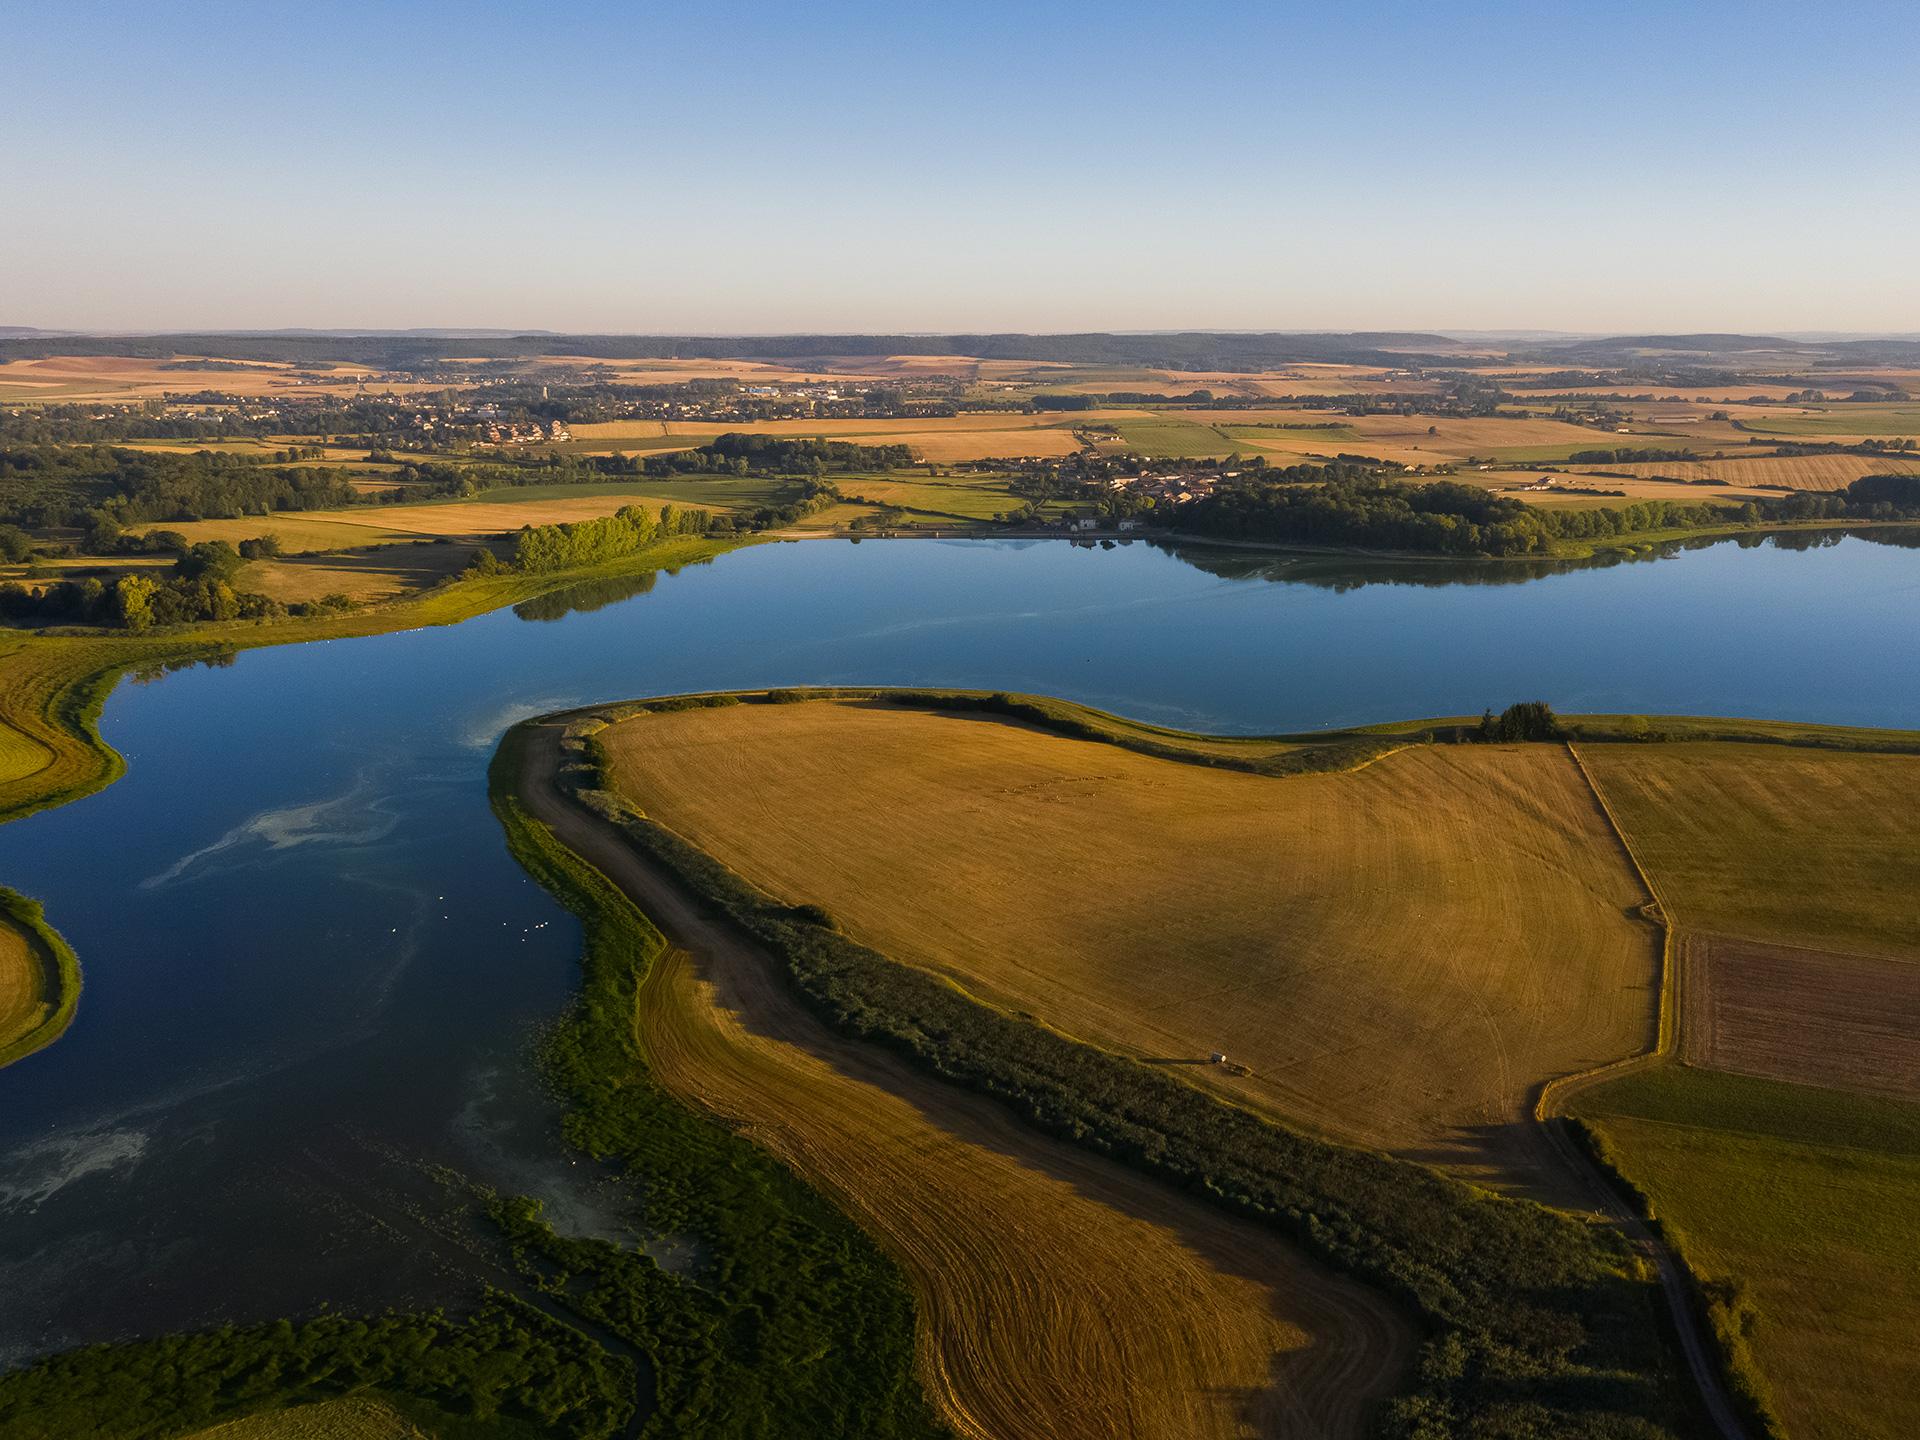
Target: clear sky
729 167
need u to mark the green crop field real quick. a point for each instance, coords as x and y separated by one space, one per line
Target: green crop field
1865 419
1169 437
1808 847
1809 1197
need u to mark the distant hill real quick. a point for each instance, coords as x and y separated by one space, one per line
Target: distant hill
1184 350
1731 349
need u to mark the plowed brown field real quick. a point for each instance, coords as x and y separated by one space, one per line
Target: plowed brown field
1849 1022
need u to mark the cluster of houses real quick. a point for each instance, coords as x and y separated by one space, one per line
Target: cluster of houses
1178 487
488 425
523 432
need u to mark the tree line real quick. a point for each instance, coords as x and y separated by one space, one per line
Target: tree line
742 453
1447 518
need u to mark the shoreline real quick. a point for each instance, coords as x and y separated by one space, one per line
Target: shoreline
54 687
1621 546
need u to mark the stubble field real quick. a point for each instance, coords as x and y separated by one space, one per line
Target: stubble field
1396 956
23 994
352 1417
1061 1295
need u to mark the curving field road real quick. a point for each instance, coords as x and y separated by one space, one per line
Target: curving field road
1061 1295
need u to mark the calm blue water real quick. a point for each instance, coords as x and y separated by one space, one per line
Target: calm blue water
311 967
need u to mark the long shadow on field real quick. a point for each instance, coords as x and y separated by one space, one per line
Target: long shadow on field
1513 1157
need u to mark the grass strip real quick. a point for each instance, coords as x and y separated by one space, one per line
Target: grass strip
1723 1305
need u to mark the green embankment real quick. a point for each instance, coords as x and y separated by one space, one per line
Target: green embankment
795 1325
57 985
1539 1323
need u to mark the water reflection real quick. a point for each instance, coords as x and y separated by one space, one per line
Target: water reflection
1342 573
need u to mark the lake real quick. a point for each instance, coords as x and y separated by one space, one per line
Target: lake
312 972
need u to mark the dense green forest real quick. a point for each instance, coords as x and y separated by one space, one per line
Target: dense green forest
1446 518
45 485
506 1361
743 453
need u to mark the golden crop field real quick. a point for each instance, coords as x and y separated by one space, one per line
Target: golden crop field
1061 1295
945 439
23 984
1747 475
365 576
62 378
352 1417
1396 956
1815 848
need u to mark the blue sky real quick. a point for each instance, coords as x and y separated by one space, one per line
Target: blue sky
844 166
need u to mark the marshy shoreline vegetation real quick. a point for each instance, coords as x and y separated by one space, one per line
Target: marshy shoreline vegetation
789 1323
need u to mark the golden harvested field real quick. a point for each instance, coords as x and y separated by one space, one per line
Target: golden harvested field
1848 1022
946 439
1396 956
469 521
1819 848
1061 1295
352 1417
61 378
675 372
1715 397
23 984
365 576
1286 435
1796 472
1506 482
20 755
